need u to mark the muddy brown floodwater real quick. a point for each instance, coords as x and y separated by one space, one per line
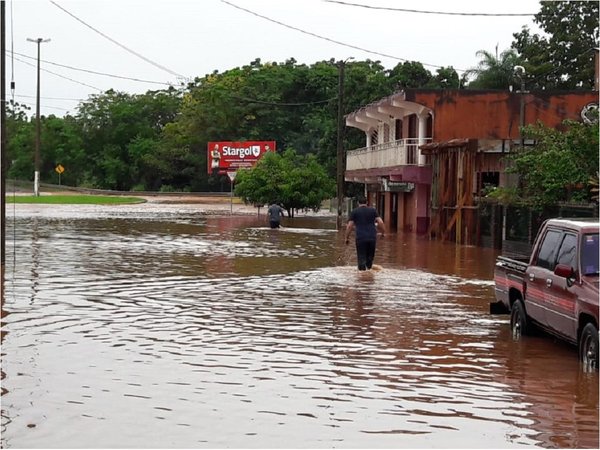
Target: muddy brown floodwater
158 325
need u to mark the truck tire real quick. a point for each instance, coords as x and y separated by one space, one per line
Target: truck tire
519 325
588 348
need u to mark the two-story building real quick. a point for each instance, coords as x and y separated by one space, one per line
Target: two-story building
429 153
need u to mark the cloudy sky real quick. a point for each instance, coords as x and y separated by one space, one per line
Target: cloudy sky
140 45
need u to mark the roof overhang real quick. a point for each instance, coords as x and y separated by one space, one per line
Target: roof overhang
388 108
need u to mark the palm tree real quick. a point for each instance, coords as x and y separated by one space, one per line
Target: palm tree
493 71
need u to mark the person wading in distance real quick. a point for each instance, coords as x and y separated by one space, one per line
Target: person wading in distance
274 214
365 220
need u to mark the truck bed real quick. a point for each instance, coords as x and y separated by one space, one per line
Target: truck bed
508 271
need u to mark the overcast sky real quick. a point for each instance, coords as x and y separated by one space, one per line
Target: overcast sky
162 42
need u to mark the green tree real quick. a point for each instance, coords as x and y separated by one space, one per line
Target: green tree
295 181
120 132
254 102
293 104
562 58
493 71
559 166
61 144
445 78
20 132
158 140
409 74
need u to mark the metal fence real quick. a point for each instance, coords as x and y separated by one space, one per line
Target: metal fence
513 228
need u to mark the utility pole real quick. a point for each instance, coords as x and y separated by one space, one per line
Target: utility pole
520 71
3 141
36 175
340 163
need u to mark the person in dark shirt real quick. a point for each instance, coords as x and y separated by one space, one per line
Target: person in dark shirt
274 214
365 220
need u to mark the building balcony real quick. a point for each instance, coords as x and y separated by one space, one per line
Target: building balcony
402 152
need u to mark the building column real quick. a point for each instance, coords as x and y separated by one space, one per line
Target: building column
422 190
422 134
368 134
422 207
388 209
401 211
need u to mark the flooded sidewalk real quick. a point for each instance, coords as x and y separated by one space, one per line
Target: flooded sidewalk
178 325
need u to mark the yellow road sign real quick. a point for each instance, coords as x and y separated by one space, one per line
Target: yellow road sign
59 169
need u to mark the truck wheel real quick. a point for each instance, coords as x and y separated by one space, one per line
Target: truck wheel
518 320
588 348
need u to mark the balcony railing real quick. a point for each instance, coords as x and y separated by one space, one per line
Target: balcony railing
402 152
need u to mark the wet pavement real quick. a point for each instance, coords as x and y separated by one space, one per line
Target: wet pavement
161 326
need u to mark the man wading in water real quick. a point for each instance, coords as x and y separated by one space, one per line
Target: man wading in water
274 214
366 221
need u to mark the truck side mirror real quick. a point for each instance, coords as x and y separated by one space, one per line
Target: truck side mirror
564 271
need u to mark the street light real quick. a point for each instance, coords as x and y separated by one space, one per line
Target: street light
520 72
340 143
36 175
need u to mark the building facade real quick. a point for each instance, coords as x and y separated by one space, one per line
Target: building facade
429 153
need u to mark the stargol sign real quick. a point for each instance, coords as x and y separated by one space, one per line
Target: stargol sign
228 156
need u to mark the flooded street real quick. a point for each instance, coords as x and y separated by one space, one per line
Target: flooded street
158 326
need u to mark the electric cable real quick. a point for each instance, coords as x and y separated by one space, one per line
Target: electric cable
94 72
355 47
446 13
133 52
45 106
52 98
250 100
59 75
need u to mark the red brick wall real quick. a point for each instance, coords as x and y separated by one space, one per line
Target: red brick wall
496 114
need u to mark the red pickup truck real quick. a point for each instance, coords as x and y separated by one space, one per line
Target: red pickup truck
557 288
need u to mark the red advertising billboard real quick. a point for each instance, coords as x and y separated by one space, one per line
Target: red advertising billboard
228 156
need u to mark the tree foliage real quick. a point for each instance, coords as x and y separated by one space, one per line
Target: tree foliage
294 181
493 71
559 167
562 57
158 140
120 132
412 74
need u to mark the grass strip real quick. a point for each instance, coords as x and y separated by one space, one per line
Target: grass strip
74 199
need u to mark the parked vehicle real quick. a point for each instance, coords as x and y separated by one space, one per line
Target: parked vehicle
556 289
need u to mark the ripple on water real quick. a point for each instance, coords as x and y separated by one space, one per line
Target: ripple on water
241 356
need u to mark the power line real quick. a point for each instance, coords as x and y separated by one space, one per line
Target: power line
59 75
250 100
432 12
45 106
133 52
51 98
326 38
94 72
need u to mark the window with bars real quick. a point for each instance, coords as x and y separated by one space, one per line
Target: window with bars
374 137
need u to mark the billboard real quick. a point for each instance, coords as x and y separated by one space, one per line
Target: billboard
229 156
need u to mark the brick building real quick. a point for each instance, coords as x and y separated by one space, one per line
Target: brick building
429 153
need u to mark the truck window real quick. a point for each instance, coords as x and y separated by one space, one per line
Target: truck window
567 252
589 254
547 254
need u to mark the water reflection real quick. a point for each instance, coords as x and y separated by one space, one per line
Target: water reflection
168 328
